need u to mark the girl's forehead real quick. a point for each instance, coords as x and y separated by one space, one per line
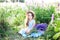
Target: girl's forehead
29 14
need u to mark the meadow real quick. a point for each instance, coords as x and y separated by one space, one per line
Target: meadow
12 20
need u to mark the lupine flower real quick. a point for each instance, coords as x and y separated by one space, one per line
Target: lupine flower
52 17
42 26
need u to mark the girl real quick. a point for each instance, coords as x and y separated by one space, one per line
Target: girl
30 25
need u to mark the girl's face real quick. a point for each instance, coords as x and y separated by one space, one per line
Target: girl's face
29 16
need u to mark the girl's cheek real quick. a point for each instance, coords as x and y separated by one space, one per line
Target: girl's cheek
30 17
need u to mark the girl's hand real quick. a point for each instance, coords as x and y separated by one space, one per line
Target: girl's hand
27 31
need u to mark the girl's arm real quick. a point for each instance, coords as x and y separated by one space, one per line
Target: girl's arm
32 26
29 30
25 23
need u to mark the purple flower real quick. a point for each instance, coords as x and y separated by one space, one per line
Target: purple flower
52 17
41 26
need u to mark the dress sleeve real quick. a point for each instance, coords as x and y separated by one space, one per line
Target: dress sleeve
31 24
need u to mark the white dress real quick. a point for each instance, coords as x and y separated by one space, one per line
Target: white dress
30 24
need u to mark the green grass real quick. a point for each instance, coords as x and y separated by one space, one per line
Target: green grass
12 35
19 37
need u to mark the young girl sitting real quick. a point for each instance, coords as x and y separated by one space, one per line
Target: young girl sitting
30 25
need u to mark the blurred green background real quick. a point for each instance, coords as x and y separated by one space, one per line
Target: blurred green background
12 20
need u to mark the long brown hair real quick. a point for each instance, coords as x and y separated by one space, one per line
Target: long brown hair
27 21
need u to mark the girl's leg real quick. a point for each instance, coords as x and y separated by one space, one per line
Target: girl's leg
23 33
36 34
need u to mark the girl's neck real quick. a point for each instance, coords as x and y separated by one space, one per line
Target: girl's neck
30 19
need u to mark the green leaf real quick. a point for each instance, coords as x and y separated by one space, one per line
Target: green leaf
56 35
